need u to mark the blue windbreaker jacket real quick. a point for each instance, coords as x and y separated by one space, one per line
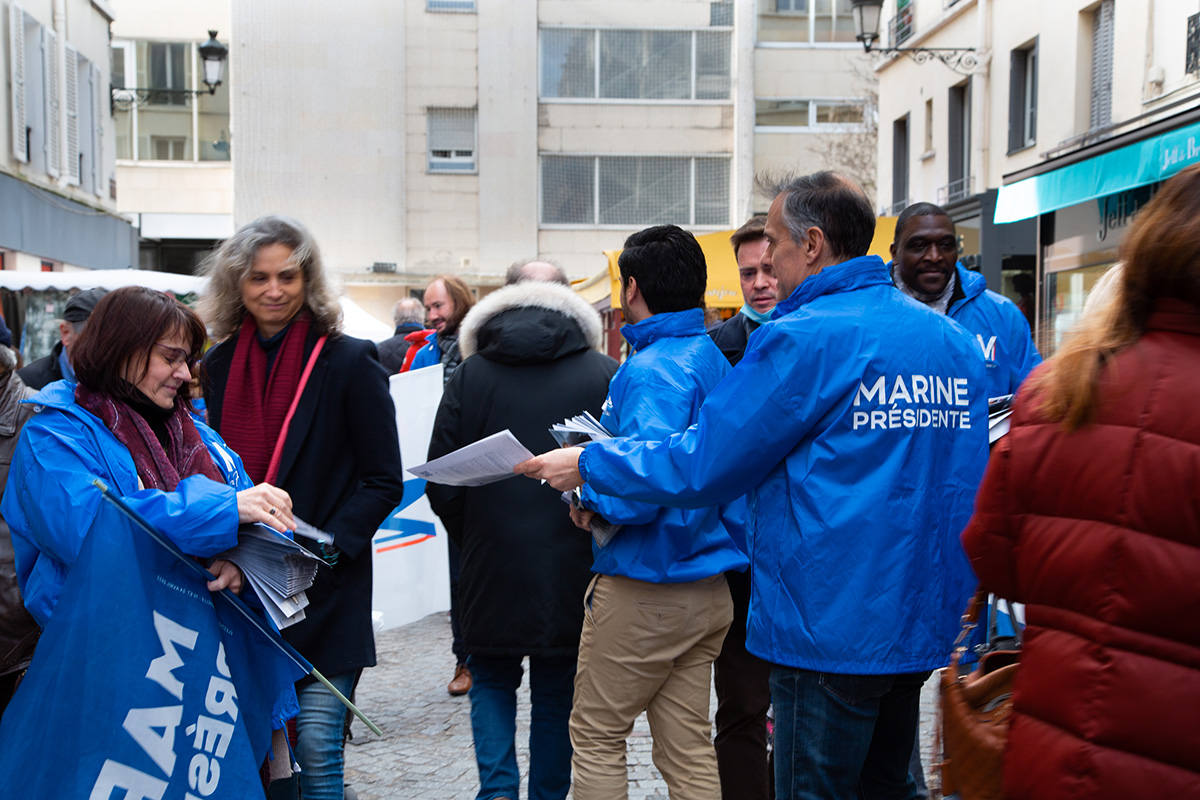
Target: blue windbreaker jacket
50 503
1000 329
428 355
857 420
657 392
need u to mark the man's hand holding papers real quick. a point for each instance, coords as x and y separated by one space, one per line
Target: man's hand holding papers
559 468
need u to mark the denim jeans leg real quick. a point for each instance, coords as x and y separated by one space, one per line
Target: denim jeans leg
551 687
319 735
494 723
824 724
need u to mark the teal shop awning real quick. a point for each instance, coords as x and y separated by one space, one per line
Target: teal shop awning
1129 167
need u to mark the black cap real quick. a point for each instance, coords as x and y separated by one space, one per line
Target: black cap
80 306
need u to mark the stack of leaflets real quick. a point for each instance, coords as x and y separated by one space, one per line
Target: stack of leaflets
580 430
278 569
999 411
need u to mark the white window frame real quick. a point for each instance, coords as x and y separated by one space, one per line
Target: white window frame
814 126
596 99
456 163
772 9
596 224
129 48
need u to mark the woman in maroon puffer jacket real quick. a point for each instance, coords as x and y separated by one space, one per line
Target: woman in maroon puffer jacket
1090 515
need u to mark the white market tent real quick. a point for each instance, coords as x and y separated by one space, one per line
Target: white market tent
357 321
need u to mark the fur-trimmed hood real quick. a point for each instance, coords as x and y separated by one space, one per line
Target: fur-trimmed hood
530 321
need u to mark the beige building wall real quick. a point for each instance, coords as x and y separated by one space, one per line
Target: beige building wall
1148 75
319 118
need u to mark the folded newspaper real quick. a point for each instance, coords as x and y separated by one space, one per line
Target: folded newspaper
278 569
579 430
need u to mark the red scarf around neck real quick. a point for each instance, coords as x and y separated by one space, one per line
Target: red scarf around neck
158 468
255 403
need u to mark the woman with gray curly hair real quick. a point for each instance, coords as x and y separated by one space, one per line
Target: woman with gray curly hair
308 409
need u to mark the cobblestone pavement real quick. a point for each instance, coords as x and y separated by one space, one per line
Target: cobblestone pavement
426 749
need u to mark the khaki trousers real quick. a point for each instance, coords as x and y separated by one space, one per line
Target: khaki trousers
648 647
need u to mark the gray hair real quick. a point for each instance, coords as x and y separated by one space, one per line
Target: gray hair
408 311
519 271
828 201
222 307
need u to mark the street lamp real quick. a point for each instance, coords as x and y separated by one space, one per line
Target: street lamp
867 14
212 58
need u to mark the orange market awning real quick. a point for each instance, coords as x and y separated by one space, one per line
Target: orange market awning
724 290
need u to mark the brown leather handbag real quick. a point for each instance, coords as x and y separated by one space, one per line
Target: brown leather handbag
976 710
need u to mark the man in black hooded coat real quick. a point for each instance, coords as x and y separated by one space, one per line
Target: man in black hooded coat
530 359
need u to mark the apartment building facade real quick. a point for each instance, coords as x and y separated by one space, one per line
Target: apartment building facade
457 136
1043 149
57 175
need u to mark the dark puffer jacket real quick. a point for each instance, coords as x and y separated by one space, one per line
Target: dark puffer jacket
525 566
1098 532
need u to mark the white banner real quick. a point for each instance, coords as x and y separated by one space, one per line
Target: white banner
412 579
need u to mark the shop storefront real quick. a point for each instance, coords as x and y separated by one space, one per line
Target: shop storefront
1083 204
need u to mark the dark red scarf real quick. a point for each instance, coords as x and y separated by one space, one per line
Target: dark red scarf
255 404
158 468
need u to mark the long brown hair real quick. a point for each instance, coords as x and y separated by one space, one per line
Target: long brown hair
121 332
1161 258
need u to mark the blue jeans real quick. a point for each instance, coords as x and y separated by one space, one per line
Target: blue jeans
494 725
320 738
844 736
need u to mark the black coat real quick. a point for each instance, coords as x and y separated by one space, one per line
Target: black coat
732 336
341 466
37 374
525 566
393 350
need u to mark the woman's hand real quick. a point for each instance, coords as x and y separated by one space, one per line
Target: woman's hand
267 504
228 577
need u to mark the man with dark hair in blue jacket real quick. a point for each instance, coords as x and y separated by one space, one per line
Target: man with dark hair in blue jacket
925 267
659 607
857 421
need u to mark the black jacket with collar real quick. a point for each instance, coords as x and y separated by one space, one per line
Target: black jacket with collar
341 466
36 374
525 566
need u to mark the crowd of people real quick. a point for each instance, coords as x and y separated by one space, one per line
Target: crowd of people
803 497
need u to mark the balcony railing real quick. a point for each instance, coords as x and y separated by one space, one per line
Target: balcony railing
954 191
901 27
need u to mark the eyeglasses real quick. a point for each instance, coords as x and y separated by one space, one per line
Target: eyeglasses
174 356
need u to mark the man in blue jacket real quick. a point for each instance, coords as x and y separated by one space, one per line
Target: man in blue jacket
924 266
659 607
857 421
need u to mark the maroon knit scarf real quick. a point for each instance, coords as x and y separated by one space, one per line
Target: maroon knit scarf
255 404
158 468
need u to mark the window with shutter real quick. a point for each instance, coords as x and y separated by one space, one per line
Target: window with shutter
16 59
900 164
1192 56
71 73
1022 98
451 139
1102 67
50 88
98 112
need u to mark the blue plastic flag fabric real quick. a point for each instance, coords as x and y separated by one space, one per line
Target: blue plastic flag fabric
144 684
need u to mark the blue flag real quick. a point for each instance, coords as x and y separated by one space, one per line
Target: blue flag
144 684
